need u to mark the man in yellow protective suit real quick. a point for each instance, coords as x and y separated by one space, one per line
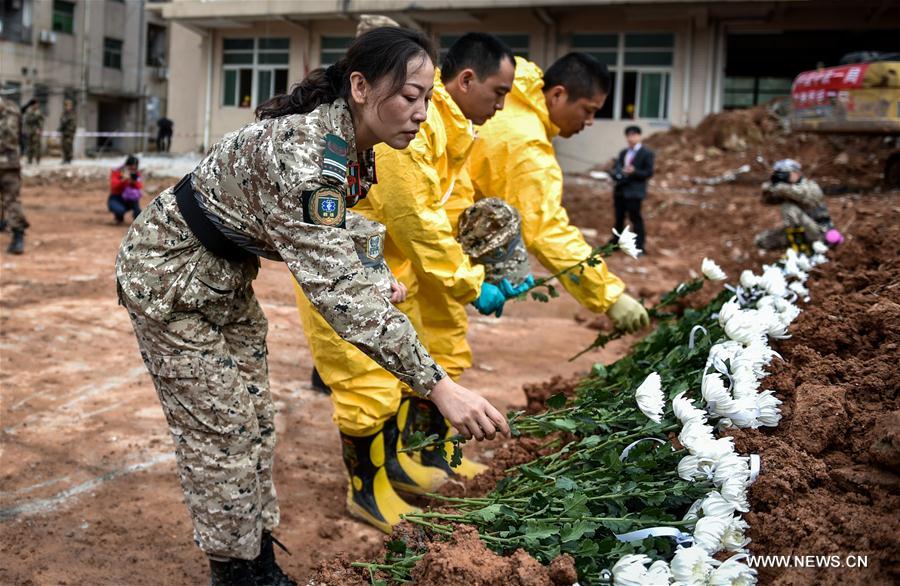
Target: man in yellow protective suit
513 160
425 188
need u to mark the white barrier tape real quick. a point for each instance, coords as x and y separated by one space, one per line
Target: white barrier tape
693 333
680 537
755 467
628 448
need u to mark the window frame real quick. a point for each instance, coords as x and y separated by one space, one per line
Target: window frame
113 54
256 69
620 69
69 18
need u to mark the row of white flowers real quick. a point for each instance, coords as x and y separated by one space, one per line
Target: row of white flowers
763 307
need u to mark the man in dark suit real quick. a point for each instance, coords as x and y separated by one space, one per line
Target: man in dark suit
634 167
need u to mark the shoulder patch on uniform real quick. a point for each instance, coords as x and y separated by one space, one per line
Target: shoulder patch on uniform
324 207
334 159
374 247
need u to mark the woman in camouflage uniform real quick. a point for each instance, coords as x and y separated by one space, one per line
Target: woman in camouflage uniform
277 188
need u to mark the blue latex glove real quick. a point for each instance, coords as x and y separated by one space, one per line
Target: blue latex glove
510 291
490 300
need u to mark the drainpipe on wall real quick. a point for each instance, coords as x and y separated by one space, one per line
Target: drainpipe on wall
710 68
549 35
688 64
142 100
85 68
207 116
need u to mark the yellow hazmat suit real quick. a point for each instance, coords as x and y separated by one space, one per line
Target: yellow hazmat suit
416 189
514 160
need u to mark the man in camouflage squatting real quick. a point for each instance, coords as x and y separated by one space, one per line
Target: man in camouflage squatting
34 127
10 175
803 209
68 123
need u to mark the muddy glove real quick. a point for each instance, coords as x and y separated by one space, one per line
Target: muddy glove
490 300
628 315
509 291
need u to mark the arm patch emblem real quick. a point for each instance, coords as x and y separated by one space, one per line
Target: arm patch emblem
324 207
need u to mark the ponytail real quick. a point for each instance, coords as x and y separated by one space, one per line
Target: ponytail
380 52
321 86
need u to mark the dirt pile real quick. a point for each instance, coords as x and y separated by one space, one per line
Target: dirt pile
830 482
464 560
758 137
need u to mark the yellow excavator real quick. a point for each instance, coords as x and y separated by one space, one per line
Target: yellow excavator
861 96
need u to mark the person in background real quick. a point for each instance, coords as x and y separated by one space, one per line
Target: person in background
164 135
803 210
68 124
33 123
634 166
125 190
11 176
514 160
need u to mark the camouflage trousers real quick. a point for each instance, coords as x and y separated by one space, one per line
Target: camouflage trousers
33 147
210 372
793 216
67 146
10 204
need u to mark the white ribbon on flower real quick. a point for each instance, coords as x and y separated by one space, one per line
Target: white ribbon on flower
628 448
681 538
755 465
693 333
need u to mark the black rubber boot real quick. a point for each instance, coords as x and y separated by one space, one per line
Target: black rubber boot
231 573
17 244
403 471
318 384
265 569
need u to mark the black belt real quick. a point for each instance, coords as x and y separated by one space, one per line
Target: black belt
206 232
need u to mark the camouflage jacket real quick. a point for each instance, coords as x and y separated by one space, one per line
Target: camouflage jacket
280 187
68 122
33 122
10 122
805 193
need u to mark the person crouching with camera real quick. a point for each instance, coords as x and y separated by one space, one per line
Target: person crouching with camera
125 190
803 210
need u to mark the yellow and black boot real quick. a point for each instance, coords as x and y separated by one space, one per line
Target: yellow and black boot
370 496
422 415
403 471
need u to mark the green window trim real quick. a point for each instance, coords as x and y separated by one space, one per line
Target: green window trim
63 17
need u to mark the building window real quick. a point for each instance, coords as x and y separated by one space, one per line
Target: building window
745 92
517 43
254 68
63 16
156 45
640 65
112 53
333 49
12 90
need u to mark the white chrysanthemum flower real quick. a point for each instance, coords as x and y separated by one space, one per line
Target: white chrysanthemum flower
691 565
712 271
628 242
818 259
734 490
732 573
773 281
695 433
768 405
718 399
708 533
745 382
649 397
749 280
729 309
693 513
734 538
745 413
685 411
819 247
714 449
790 267
692 467
803 263
631 570
724 424
730 466
659 573
715 505
743 326
772 321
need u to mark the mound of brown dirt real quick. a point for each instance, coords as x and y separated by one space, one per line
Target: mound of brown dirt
537 393
830 483
464 560
510 453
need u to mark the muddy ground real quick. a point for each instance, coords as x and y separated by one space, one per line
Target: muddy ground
88 492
